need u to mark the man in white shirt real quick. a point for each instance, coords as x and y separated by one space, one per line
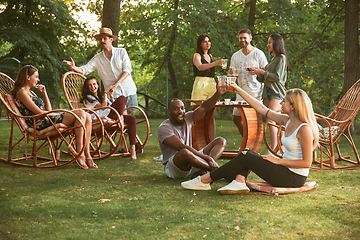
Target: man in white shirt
113 66
247 56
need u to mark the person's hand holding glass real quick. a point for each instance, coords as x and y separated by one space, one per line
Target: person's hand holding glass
230 80
255 71
235 72
232 86
224 63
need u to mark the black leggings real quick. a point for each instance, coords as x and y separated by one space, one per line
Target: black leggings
130 120
248 160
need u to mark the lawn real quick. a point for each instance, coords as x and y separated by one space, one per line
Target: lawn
144 204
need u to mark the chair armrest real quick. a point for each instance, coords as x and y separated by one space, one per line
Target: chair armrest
329 120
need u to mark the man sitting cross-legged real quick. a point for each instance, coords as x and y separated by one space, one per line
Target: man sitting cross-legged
180 159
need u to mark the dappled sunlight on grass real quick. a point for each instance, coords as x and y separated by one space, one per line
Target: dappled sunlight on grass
145 204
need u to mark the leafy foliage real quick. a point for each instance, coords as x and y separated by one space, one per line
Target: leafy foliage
160 35
41 33
312 31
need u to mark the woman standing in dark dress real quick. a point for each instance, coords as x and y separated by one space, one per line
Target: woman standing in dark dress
204 72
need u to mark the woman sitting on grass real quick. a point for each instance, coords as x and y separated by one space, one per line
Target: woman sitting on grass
29 105
92 98
300 139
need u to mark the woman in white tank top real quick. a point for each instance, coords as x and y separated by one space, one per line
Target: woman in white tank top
299 140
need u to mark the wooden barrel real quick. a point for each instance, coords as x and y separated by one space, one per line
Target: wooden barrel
252 130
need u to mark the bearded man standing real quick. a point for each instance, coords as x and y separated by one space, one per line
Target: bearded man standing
247 57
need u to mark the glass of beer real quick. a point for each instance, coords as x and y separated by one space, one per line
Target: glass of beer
229 81
236 72
224 65
222 82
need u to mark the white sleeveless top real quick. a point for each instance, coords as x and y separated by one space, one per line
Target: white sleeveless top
293 149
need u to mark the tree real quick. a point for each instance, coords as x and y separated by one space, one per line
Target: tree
40 33
170 48
111 14
159 32
352 71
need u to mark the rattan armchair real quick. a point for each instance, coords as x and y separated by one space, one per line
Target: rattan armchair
340 119
32 148
72 83
335 127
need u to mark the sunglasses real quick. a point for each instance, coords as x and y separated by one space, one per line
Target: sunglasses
30 67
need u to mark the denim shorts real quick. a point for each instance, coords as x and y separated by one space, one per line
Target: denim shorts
272 95
131 100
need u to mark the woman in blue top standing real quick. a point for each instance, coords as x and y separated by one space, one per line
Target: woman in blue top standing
274 78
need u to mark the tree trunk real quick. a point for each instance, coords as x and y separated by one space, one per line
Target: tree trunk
168 54
251 20
111 17
352 71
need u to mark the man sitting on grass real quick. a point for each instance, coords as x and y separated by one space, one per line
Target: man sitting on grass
180 159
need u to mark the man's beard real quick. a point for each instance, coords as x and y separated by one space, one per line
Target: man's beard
244 44
179 122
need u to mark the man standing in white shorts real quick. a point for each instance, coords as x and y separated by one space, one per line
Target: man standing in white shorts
180 159
247 56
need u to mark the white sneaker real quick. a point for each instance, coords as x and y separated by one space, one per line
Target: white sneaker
196 184
234 188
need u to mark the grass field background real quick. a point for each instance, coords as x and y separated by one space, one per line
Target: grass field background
145 204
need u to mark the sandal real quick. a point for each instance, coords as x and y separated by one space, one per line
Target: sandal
91 163
82 165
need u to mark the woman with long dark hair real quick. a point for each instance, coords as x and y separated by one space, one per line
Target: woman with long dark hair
274 78
30 104
204 73
92 98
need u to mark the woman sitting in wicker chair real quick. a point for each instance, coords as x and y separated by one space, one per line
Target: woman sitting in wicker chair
29 104
92 98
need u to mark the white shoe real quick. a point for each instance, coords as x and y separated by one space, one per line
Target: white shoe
234 188
196 184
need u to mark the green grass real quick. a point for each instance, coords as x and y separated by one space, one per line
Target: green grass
63 203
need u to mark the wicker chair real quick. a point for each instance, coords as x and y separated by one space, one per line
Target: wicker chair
335 126
6 84
72 83
50 140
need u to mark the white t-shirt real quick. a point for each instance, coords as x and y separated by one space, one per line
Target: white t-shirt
101 113
111 70
249 83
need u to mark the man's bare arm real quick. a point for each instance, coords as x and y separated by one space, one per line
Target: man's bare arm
71 65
